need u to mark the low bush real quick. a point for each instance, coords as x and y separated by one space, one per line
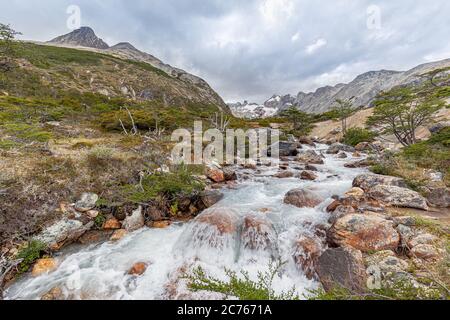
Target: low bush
355 136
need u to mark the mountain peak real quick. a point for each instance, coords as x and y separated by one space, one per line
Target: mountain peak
124 46
83 37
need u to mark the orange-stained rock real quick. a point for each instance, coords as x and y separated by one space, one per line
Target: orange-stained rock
43 266
118 235
258 233
223 220
161 224
215 174
307 251
364 232
112 224
138 269
302 198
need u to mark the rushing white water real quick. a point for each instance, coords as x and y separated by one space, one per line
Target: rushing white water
100 271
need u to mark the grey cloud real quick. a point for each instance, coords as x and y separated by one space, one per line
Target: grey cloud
244 49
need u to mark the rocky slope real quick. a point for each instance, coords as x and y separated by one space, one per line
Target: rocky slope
86 38
364 88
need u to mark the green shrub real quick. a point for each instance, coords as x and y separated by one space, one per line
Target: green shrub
355 136
241 286
30 254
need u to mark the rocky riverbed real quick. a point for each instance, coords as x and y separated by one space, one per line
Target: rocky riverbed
327 220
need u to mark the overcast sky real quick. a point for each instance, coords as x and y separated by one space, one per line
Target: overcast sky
251 49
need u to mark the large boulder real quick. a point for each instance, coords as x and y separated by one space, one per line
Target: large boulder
258 233
342 268
302 198
310 157
288 149
215 174
284 175
135 221
43 266
307 251
367 181
364 232
210 198
397 196
229 174
63 232
335 148
308 175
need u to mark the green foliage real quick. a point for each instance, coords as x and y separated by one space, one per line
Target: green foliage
241 286
354 136
403 110
169 185
344 109
329 115
99 221
30 254
27 132
301 121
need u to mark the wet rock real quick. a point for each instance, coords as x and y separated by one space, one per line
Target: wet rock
215 174
356 154
310 167
118 235
94 236
356 193
92 214
229 174
368 181
359 164
43 266
258 233
302 198
339 212
311 157
63 232
362 146
223 220
154 213
112 224
135 221
138 269
306 140
398 196
364 232
161 224
284 175
342 267
86 202
289 149
335 148
307 251
308 175
342 155
332 206
53 295
210 198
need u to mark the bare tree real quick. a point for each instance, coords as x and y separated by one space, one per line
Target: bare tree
220 122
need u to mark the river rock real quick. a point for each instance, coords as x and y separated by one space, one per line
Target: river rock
368 181
215 174
364 232
135 221
284 175
307 251
229 174
308 175
335 148
342 268
398 197
86 202
138 269
118 235
112 224
43 266
342 155
161 224
302 198
210 198
54 294
359 164
289 149
223 220
339 212
258 233
356 193
310 167
362 146
94 236
63 232
306 140
310 156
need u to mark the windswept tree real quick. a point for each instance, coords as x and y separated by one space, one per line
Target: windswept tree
301 121
402 111
7 46
344 109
